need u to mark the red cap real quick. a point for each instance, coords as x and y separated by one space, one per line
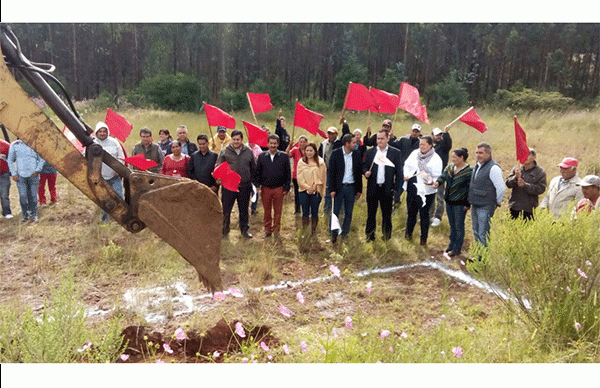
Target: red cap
569 162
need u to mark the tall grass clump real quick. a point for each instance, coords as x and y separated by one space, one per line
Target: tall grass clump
550 270
59 334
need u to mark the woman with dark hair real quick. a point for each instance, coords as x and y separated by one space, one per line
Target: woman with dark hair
165 141
312 177
175 164
421 169
457 176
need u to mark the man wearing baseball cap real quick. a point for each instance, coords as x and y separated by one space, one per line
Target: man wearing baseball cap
590 187
563 189
220 141
371 140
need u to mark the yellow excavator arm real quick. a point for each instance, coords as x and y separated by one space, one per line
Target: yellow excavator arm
183 212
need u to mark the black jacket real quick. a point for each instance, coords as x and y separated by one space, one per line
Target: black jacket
336 169
191 146
393 175
274 173
284 137
200 167
443 148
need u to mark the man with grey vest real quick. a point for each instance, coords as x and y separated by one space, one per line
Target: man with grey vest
485 192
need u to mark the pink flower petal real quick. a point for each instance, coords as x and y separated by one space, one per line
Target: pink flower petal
219 296
264 346
284 310
391 349
239 329
300 297
303 346
167 348
369 285
577 326
180 334
384 333
245 360
447 256
334 333
236 293
348 322
588 263
457 351
404 335
286 350
323 350
581 273
216 354
335 270
124 357
159 361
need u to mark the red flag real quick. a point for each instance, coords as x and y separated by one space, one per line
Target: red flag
307 119
386 102
67 132
140 162
409 101
521 143
259 103
256 134
322 134
229 178
359 98
216 117
471 118
118 125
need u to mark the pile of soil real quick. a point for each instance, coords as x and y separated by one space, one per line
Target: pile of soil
141 345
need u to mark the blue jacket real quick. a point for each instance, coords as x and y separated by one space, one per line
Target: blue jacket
337 165
27 160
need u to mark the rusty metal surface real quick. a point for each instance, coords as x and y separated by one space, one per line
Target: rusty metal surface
187 215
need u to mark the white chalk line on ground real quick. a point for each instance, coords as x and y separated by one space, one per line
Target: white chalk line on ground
152 303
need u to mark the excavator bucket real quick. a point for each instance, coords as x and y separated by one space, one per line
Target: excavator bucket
183 212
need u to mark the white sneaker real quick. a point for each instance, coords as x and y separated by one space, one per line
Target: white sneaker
8 216
435 222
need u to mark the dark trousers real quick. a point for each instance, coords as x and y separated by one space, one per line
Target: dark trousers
345 198
414 207
310 204
382 199
456 219
296 199
243 201
514 214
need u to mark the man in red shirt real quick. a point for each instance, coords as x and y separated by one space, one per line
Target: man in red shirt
4 180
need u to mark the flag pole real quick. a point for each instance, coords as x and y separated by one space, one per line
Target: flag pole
251 108
459 117
209 130
345 101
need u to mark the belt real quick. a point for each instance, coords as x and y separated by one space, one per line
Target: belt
380 184
347 184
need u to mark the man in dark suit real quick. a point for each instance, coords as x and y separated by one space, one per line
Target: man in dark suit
345 179
382 168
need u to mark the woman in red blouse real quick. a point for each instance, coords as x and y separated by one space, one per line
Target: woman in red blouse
175 164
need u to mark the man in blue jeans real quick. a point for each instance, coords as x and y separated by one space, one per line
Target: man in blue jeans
27 175
486 191
345 178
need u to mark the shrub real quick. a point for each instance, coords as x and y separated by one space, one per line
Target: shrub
551 272
447 93
233 100
529 99
177 92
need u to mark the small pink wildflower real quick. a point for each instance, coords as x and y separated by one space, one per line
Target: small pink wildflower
219 296
471 329
447 256
568 289
300 297
84 347
286 350
384 333
239 329
159 361
235 292
457 351
264 346
245 360
167 348
369 285
577 326
323 350
335 270
180 334
216 354
284 310
391 349
303 346
588 263
270 357
124 357
581 273
334 333
349 322
404 335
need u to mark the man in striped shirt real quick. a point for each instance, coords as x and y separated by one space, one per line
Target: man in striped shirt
486 191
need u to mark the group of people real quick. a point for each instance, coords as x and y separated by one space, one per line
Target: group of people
434 177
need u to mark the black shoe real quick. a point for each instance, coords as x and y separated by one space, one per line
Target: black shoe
247 234
370 239
453 253
334 240
423 242
268 234
448 249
